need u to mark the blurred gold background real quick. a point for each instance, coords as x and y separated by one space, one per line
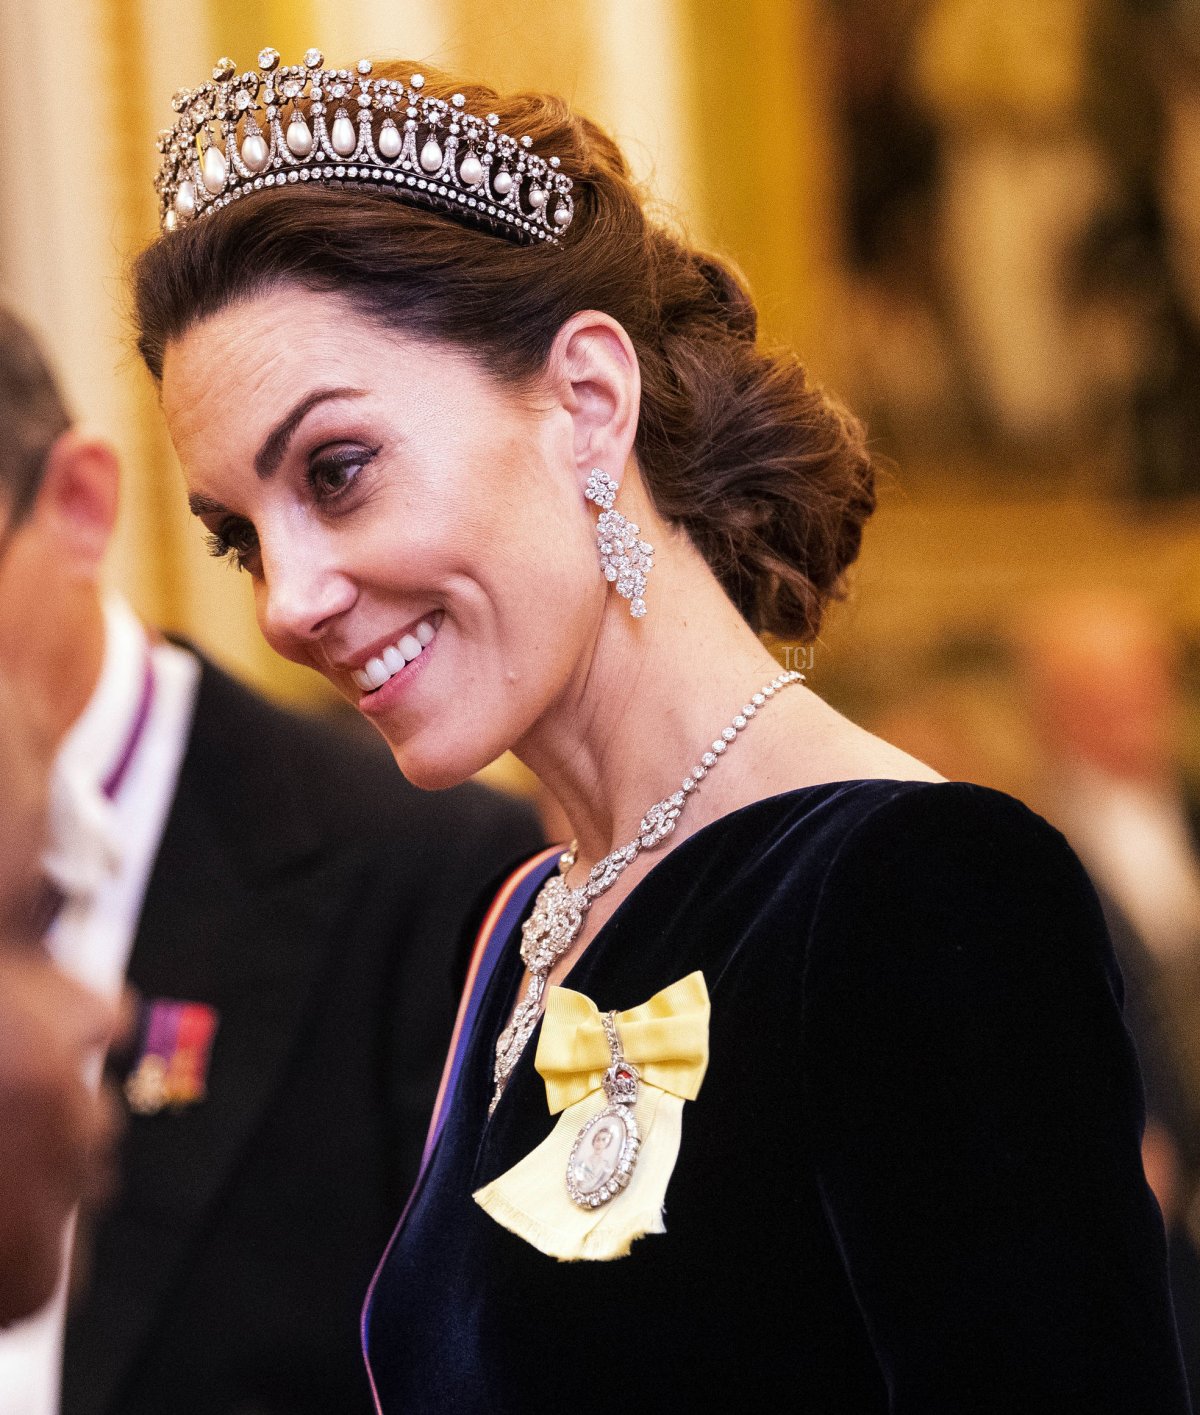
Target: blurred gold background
978 221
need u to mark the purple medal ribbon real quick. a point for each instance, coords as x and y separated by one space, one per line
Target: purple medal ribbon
120 768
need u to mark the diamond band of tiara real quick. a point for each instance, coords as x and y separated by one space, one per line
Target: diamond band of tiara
231 139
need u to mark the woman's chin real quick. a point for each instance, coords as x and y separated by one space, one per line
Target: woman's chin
436 771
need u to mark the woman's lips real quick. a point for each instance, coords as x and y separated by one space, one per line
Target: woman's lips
378 670
375 701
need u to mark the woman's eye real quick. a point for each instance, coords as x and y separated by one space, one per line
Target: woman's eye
236 541
330 476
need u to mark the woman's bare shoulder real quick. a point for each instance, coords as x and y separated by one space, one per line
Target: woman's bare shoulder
825 745
865 755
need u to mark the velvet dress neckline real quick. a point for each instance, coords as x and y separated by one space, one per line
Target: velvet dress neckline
701 834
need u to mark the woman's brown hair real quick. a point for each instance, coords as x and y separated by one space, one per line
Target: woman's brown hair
770 478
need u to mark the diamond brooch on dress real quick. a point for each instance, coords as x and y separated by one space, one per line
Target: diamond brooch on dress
278 125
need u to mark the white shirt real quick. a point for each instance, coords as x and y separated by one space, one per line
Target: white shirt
101 853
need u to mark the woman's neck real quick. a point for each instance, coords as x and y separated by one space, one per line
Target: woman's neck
647 705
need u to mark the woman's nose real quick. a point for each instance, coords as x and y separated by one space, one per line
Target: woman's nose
300 595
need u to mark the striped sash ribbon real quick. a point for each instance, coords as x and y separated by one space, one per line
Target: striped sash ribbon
507 907
494 932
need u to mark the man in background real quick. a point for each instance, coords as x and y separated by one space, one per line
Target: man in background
287 907
54 1128
1102 677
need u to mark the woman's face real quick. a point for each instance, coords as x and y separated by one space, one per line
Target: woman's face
405 519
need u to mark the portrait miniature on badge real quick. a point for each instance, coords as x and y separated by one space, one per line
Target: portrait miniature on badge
606 1149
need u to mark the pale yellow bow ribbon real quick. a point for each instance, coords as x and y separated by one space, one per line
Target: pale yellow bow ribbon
667 1040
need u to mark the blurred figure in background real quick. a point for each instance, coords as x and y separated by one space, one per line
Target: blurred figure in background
54 1130
957 707
1101 673
287 906
1021 234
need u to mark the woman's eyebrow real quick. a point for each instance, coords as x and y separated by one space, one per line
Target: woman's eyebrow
275 444
201 505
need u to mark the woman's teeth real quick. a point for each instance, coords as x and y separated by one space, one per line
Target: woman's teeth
377 671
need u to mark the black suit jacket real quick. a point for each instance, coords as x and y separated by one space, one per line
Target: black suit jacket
313 898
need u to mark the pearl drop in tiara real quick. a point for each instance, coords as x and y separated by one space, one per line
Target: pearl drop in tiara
230 139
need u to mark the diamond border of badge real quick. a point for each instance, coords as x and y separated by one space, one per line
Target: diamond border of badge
626 1159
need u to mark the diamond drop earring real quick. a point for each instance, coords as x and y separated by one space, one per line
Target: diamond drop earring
624 559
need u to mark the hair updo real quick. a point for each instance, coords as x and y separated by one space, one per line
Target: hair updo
770 478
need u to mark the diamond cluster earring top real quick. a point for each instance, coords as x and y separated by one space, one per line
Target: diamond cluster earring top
244 132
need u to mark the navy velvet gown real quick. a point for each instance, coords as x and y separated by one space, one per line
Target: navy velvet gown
910 1183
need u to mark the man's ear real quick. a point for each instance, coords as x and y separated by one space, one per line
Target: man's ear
77 502
599 384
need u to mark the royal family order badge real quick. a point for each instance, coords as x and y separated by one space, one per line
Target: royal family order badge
606 1150
618 1083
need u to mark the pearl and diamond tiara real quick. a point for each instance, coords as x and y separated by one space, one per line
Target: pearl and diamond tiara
230 139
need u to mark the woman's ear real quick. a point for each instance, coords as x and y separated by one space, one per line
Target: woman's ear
599 384
77 502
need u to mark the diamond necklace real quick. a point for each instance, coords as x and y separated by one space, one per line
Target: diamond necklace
558 912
